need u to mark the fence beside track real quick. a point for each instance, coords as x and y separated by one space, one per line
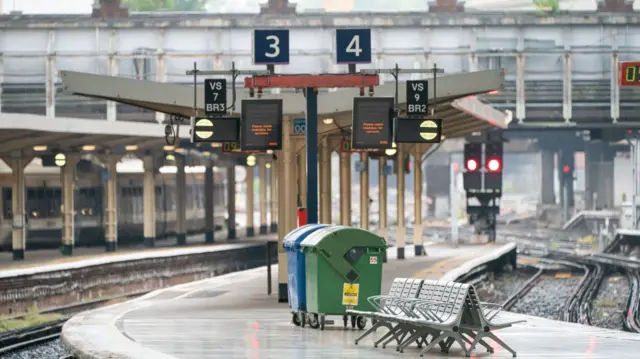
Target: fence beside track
85 280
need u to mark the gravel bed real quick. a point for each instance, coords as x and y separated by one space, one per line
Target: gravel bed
548 297
610 303
503 285
49 350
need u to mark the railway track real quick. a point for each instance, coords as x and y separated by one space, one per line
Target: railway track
22 339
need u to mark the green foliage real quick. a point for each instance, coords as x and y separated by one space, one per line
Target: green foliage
171 5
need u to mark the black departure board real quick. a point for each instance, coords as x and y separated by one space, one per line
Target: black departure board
261 125
372 124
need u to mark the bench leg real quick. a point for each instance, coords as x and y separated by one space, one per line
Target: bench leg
416 336
372 329
437 340
501 343
388 334
398 337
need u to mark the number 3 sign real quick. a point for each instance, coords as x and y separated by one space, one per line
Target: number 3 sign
271 47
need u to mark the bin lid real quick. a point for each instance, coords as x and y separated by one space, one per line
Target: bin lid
348 236
293 238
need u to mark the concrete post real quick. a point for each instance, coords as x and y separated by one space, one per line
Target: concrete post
18 202
286 203
302 179
181 200
325 181
364 192
111 209
547 169
263 195
418 240
208 203
149 201
273 188
400 202
231 202
67 179
249 198
345 188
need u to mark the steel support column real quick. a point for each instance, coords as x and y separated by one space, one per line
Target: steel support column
231 202
547 167
263 195
181 200
345 188
418 240
112 64
521 103
567 88
382 200
325 181
67 179
301 175
111 200
249 181
364 191
149 201
274 198
286 203
312 155
50 76
400 202
18 204
615 88
209 193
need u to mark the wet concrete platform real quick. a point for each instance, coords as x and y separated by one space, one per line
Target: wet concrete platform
232 317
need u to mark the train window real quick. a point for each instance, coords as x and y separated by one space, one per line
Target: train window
6 203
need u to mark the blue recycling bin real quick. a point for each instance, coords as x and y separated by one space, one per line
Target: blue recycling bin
296 286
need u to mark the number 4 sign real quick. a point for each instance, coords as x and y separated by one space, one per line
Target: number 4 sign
353 46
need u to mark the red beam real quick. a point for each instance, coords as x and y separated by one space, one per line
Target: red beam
314 81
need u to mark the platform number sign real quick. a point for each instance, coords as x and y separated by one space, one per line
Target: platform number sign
353 46
417 98
270 47
215 97
299 126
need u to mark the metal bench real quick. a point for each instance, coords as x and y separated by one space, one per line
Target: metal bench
439 316
388 305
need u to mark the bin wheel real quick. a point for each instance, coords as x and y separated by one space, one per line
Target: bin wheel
296 320
303 319
345 320
353 321
322 322
313 321
361 322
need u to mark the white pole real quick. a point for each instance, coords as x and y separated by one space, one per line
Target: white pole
453 194
634 156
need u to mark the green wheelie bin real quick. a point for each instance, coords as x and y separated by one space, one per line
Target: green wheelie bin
343 269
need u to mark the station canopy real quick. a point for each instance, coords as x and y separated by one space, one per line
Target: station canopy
462 113
23 132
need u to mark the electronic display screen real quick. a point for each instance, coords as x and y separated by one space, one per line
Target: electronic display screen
261 125
629 73
372 123
216 129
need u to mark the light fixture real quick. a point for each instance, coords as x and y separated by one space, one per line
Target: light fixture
180 150
170 157
327 121
40 148
216 144
88 147
268 165
168 148
131 147
391 151
269 152
60 159
251 160
206 153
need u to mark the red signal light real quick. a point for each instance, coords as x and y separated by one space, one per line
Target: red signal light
472 165
493 165
566 169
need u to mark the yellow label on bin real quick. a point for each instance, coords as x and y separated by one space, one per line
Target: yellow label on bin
350 294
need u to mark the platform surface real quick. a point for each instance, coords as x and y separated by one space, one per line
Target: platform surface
232 317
